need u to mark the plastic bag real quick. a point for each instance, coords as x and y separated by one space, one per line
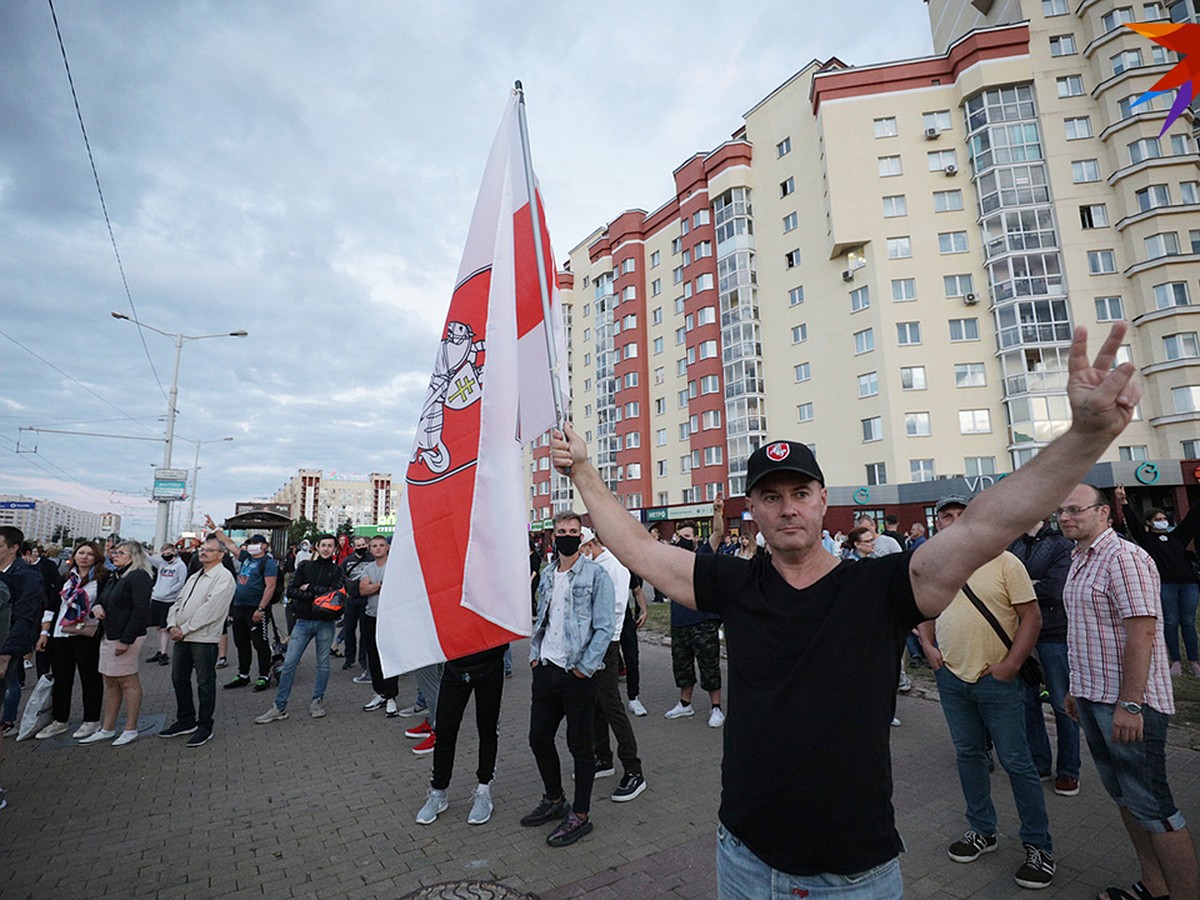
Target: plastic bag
37 713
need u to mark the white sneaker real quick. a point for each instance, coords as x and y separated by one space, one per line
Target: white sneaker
99 735
716 718
376 702
392 711
316 709
481 809
895 722
274 714
635 707
679 711
54 729
905 684
87 729
435 804
126 737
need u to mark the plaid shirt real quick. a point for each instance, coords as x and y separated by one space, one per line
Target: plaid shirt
1110 581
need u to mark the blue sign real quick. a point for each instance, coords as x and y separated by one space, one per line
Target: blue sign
862 496
19 504
1147 473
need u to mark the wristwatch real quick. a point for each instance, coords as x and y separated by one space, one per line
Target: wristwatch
1130 707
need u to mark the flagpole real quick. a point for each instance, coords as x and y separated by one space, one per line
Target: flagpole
536 220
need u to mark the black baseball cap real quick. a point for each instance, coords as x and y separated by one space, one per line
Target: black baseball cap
257 539
782 456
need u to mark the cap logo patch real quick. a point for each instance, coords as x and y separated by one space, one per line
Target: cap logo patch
778 452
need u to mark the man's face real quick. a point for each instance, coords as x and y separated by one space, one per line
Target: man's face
570 527
326 547
360 544
864 522
687 533
1082 517
7 553
789 510
379 548
210 553
948 516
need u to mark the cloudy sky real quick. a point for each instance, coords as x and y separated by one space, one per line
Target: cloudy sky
306 171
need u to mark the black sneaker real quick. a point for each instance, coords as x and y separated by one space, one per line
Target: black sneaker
546 811
603 770
238 681
631 785
262 684
200 738
163 659
1038 870
571 830
176 730
971 846
154 658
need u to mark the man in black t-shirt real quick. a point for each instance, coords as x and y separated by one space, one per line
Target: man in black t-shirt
813 644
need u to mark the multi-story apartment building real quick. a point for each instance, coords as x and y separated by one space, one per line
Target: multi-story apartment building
46 520
329 500
887 262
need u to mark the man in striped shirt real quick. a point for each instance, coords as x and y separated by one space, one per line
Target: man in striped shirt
1121 692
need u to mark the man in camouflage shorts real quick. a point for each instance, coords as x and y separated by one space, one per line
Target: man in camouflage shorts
696 640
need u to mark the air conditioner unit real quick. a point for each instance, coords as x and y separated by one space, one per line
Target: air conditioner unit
848 275
970 299
951 170
931 134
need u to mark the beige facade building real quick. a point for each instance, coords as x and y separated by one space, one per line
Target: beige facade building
887 262
329 500
46 520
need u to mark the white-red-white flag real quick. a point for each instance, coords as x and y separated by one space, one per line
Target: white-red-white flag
458 574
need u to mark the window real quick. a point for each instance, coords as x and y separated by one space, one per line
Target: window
679 306
958 285
1189 192
711 419
970 375
628 265
784 147
658 345
629 321
800 333
1054 8
975 421
952 242
1126 59
908 332
706 315
1194 240
713 456
1160 245
787 186
702 249
1070 86
1094 215
680 335
921 469
710 384
806 412
860 299
964 329
633 439
889 166
1101 262
796 296
790 222
1085 170
677 275
1173 293
1133 453
1180 145
661 467
704 282
630 293
1186 398
912 378
895 206
899 247
630 350
939 160
1153 11
659 375
947 201
1152 197
691 355
864 341
660 406
700 217
1191 449
685 462
656 287
708 349
1116 18
792 258
803 371
1146 148
938 121
885 128
1062 45
676 245
1108 309
687 290
684 226
872 429
876 473
631 379
1078 127
904 289
655 258
1181 346
916 424
979 465
868 384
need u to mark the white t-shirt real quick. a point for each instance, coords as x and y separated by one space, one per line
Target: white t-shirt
620 579
554 641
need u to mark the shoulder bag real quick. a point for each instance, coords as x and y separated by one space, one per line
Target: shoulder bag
1031 669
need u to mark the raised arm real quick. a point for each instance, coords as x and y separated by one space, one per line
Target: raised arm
1102 402
226 541
718 524
668 568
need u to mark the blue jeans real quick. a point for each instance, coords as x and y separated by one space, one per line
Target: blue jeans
13 682
1058 681
973 711
1134 774
1179 602
303 632
743 876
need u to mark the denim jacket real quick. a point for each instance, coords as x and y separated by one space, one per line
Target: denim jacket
590 621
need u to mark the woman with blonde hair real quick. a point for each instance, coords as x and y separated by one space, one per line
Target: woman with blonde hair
745 548
123 609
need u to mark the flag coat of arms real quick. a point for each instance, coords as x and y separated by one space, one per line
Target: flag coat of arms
458 571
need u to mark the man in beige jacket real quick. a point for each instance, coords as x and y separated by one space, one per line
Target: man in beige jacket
194 623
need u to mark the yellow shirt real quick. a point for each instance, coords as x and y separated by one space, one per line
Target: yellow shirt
968 642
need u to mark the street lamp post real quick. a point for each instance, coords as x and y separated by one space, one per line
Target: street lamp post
191 516
164 507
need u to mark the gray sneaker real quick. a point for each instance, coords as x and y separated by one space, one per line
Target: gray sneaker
435 804
316 709
417 709
274 714
481 809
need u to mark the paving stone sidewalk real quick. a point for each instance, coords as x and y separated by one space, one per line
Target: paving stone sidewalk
325 808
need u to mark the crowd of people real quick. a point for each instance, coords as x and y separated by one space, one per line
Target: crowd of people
1011 602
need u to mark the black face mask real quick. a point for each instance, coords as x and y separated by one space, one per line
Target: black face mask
567 544
168 556
686 544
363 553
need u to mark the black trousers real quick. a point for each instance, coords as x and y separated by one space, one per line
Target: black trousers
629 652
610 713
486 682
387 688
68 654
188 657
557 694
246 634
